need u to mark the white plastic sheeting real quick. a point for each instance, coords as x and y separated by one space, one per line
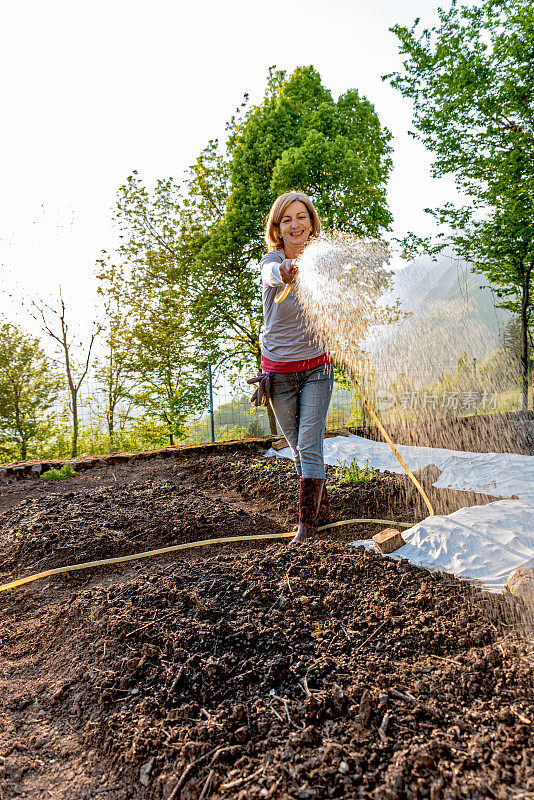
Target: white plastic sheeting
498 474
477 543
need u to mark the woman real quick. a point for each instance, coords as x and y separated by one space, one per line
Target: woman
298 374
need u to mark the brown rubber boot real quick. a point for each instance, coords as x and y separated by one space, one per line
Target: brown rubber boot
323 517
311 490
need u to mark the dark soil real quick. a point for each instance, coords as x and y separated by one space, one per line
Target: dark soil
248 670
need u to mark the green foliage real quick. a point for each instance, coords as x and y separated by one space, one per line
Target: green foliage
155 360
239 419
471 80
511 338
28 388
349 473
62 474
172 380
265 465
453 393
300 137
255 429
111 368
202 241
236 419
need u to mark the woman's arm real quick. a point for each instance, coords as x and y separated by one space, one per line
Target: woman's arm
275 272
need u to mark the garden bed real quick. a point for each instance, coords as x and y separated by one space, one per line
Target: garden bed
248 670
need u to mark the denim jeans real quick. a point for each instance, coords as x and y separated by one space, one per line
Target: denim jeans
300 402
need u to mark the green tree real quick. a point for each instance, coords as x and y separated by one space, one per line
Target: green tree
255 429
511 341
157 357
28 388
111 366
471 80
170 378
300 136
207 235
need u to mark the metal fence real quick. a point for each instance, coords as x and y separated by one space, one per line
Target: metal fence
228 414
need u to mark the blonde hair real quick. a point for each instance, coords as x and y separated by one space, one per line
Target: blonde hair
273 239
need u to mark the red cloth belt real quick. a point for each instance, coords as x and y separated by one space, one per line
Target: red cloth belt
294 366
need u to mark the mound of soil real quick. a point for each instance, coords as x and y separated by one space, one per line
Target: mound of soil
388 495
100 523
261 672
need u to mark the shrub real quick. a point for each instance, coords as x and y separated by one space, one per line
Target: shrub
351 473
62 474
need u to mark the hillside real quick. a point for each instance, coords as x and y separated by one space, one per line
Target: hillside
450 311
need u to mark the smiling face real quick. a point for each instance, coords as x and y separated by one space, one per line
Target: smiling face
295 226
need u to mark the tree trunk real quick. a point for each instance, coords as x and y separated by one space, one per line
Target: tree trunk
273 430
110 416
272 421
62 340
18 425
524 341
74 448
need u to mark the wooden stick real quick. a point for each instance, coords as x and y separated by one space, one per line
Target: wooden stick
240 781
383 727
372 635
275 712
175 794
285 702
207 785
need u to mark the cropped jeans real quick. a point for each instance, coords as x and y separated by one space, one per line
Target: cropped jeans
300 403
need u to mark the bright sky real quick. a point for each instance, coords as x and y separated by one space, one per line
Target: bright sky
94 91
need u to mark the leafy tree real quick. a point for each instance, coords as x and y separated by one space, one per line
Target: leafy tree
471 80
153 358
207 235
171 378
28 388
297 136
510 338
111 367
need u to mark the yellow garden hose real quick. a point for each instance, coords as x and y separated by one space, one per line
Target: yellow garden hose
397 454
283 294
174 547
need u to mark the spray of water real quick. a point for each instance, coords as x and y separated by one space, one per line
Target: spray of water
340 281
348 300
423 335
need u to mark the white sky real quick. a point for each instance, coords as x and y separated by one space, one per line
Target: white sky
91 92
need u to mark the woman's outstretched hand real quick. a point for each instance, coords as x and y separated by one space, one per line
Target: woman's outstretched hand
288 271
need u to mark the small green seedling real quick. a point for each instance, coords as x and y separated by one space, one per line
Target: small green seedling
62 474
258 463
351 473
